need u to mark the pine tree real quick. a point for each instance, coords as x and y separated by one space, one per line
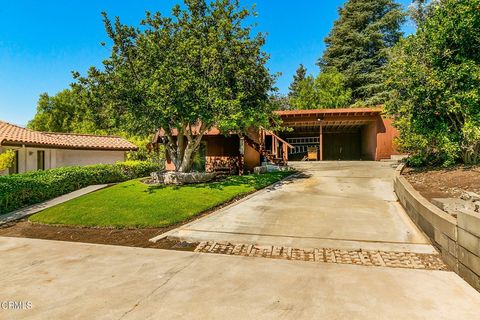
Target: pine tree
298 77
358 44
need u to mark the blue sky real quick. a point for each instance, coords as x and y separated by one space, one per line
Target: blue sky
41 42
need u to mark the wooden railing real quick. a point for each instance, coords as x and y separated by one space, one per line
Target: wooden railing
279 147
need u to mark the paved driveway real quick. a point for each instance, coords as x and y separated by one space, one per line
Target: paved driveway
345 205
65 280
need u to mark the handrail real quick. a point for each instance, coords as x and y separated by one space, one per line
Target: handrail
277 137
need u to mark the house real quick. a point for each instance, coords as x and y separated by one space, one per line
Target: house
323 134
36 150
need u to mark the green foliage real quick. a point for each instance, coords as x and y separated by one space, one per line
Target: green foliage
6 159
358 45
434 76
326 91
419 10
280 102
198 69
19 190
299 76
70 111
135 204
146 151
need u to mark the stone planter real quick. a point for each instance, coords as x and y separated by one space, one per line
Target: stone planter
179 178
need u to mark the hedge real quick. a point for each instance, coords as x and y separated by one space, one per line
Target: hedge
20 190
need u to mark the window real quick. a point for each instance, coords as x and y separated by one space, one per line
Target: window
14 169
40 160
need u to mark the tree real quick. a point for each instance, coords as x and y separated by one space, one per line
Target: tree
185 74
299 76
358 44
435 80
326 91
419 10
71 110
280 102
59 113
7 159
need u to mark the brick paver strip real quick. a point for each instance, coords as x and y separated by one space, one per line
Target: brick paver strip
407 260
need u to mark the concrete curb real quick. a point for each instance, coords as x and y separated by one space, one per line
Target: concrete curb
460 253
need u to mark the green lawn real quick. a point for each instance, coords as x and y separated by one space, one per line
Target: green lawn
134 204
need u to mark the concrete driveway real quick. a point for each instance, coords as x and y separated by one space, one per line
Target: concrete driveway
345 205
65 280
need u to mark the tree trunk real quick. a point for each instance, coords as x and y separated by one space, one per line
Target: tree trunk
471 154
181 154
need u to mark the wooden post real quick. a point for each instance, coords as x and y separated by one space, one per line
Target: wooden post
241 158
321 141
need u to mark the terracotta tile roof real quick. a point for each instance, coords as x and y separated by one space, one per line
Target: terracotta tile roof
12 134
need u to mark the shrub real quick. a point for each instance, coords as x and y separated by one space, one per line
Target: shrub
6 159
20 190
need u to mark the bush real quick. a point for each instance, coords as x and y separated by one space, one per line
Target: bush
434 76
6 159
20 190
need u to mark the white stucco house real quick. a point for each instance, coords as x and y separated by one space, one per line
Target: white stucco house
46 150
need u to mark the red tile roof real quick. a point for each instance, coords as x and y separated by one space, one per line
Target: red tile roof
14 135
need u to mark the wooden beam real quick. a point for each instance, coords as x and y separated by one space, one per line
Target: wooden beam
321 141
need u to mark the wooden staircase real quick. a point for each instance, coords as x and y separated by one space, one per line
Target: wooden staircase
269 145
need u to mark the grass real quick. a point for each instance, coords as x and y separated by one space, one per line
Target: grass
134 204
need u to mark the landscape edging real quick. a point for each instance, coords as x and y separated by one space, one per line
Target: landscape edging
459 243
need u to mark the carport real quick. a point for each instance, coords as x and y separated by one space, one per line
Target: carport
338 134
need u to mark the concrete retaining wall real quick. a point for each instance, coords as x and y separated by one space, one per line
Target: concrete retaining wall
457 239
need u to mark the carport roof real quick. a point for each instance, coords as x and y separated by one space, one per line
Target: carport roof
331 112
351 117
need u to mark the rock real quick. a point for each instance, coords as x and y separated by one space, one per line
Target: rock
470 196
453 205
260 170
179 178
270 168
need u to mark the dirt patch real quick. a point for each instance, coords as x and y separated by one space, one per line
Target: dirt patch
444 183
120 237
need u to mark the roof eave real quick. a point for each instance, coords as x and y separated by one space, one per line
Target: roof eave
7 143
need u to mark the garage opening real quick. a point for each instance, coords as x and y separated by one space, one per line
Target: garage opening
331 142
342 145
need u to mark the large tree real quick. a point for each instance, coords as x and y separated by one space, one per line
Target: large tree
435 80
358 44
185 74
76 110
327 90
59 113
299 76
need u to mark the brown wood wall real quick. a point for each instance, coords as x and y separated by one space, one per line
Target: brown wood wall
342 146
386 135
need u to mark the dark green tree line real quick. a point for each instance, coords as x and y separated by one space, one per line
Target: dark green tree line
358 46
